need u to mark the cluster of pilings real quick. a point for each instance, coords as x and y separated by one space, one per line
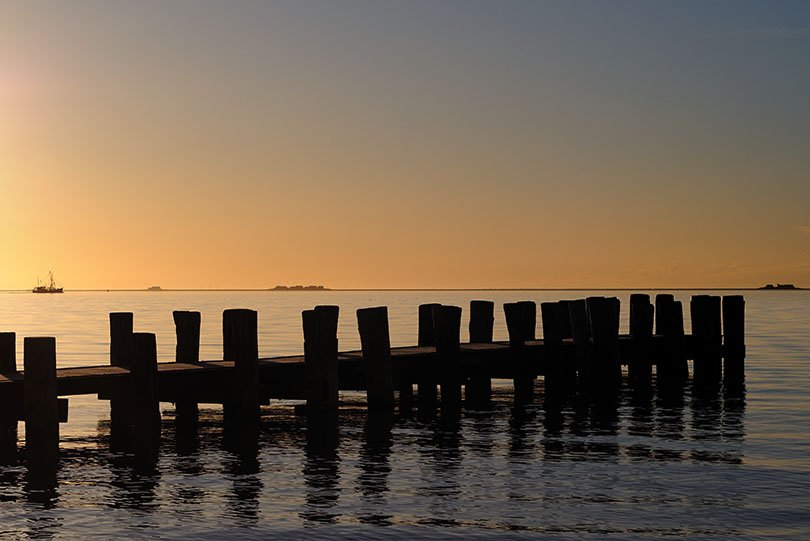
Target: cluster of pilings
581 355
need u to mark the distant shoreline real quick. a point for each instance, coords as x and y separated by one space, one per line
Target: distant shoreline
265 290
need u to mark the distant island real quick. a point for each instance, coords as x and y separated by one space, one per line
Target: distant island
779 286
299 288
154 288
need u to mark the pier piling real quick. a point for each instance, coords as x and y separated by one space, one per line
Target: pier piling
146 411
8 402
121 396
478 391
603 315
40 400
521 322
375 341
320 362
639 365
241 345
707 335
734 338
187 331
447 324
426 386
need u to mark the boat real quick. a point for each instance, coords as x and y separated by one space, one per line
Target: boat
49 288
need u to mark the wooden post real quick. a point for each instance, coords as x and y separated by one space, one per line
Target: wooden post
320 361
734 338
187 330
447 325
8 402
146 410
707 336
521 320
121 397
578 315
427 336
478 391
482 319
553 319
672 369
427 382
641 330
40 400
241 345
377 368
663 313
121 339
603 316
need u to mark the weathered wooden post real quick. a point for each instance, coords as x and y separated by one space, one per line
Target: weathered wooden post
121 395
427 334
146 410
641 329
707 337
578 315
320 362
240 343
187 330
447 325
427 382
482 320
40 400
554 317
377 368
734 338
521 321
603 315
663 312
8 402
478 392
672 369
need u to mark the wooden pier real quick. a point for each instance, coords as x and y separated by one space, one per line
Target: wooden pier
580 357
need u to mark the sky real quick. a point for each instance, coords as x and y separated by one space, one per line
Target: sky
404 144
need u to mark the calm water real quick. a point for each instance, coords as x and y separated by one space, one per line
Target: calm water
719 468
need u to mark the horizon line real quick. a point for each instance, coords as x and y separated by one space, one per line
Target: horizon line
415 289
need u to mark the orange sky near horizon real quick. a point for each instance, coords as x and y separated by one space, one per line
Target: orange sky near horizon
399 147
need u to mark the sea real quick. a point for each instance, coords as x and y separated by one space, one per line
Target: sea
734 465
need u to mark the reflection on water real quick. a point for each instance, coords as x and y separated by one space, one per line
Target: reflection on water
386 472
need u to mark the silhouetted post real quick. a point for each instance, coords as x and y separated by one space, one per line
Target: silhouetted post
521 320
578 316
320 362
377 369
734 338
447 325
641 330
8 402
187 330
663 313
603 315
672 369
478 392
146 410
121 397
427 382
482 320
40 401
427 335
241 345
708 337
554 316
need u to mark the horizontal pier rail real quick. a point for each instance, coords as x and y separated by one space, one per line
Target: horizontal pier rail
582 354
